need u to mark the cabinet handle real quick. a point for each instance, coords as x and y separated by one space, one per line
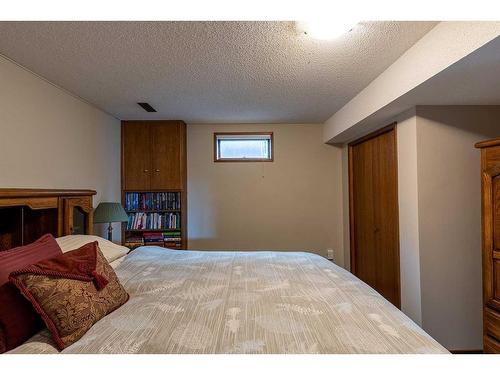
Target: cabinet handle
145 171
157 170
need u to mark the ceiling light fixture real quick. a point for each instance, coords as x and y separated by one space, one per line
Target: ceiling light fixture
325 29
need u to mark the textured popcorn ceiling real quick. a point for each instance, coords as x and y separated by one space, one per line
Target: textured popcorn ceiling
208 71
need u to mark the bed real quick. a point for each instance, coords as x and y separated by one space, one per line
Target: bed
244 302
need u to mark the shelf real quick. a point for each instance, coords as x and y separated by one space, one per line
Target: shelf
153 191
151 230
149 211
153 244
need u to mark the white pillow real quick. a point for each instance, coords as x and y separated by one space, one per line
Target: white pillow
114 264
110 250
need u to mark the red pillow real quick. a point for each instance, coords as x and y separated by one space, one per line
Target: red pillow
18 319
71 291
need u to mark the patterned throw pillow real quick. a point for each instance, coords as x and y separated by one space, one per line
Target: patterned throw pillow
72 291
18 320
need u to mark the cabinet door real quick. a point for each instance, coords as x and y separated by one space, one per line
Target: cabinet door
491 230
77 215
136 155
168 141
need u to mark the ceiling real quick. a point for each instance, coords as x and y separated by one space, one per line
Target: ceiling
473 80
209 72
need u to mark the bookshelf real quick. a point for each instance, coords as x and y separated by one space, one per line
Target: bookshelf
154 183
155 218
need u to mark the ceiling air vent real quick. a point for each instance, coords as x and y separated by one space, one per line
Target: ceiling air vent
147 107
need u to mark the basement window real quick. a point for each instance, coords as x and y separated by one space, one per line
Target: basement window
243 147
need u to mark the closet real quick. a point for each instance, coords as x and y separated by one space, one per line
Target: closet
373 210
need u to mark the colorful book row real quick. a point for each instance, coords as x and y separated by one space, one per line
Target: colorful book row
152 201
142 220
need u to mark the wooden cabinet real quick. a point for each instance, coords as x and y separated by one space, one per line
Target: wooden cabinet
153 163
136 155
490 186
153 155
167 146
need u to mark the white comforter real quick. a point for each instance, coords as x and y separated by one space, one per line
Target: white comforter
244 302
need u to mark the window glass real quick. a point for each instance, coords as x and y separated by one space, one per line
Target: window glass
243 147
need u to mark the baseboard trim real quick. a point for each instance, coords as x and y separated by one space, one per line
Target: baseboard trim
468 351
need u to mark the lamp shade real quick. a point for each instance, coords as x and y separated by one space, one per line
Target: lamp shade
109 212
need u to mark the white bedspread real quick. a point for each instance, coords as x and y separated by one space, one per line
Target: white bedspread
244 302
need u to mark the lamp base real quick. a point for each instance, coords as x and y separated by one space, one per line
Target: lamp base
110 232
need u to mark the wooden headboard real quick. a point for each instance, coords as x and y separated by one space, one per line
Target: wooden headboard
27 214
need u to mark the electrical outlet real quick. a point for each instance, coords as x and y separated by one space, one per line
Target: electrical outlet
329 254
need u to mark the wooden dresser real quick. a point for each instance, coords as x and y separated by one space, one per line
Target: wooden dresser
490 186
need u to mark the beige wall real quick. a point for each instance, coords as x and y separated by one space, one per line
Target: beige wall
439 209
345 208
409 247
293 203
50 139
449 206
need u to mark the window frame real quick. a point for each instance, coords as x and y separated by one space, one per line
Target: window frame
243 160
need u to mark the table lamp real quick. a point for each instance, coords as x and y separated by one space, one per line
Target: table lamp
110 212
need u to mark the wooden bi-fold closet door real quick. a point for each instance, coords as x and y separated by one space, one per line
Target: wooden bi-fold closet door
373 207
